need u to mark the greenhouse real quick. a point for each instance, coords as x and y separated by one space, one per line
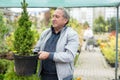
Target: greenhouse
51 5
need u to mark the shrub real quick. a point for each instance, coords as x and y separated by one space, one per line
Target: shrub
23 35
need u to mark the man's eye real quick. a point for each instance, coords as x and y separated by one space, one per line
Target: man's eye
56 16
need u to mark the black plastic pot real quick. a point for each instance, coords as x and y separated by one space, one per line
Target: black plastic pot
25 65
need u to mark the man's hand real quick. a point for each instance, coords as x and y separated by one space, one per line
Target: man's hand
43 55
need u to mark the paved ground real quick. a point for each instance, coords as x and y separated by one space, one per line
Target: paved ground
92 66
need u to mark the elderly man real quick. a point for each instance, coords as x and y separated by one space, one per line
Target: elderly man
57 48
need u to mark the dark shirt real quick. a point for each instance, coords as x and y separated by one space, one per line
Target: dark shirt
48 65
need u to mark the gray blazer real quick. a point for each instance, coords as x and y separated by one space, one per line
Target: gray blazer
66 50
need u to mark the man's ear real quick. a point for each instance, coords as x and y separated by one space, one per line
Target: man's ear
66 21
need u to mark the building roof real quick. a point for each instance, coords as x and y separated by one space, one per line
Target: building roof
60 3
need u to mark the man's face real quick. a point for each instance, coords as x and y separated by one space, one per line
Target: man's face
58 21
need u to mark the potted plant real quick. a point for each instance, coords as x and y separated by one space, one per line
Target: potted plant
25 60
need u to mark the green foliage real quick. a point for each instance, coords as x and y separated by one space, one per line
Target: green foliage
11 75
112 24
3 66
1 76
76 58
109 54
9 42
23 35
100 25
86 24
36 36
75 25
3 31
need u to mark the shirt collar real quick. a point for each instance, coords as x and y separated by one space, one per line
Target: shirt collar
53 31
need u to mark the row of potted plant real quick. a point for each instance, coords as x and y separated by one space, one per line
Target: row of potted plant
108 48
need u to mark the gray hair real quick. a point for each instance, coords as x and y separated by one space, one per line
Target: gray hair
65 13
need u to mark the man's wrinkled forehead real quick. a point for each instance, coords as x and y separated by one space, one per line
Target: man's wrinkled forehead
58 12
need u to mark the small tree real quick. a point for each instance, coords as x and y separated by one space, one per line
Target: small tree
3 31
100 25
23 36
